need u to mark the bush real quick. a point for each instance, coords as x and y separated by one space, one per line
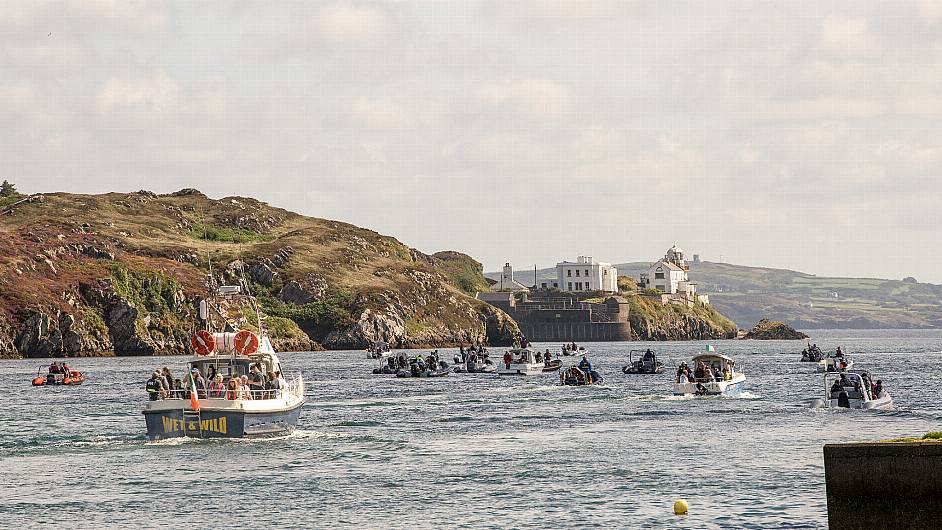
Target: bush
224 234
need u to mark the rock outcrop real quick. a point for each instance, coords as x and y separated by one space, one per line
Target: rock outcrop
765 329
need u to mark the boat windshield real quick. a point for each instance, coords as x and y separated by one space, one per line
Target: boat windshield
855 385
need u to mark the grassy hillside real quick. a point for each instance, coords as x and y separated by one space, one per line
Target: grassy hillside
748 294
133 265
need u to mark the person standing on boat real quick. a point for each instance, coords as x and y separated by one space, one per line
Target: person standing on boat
196 379
154 386
586 367
216 388
256 381
508 358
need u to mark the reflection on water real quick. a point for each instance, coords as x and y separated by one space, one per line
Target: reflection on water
472 450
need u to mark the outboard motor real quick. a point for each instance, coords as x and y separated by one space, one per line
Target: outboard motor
842 400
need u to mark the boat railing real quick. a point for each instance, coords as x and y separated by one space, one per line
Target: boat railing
292 391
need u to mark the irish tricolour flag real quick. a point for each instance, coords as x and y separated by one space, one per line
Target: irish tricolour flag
709 347
194 398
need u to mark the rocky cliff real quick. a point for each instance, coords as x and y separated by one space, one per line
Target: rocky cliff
123 273
651 320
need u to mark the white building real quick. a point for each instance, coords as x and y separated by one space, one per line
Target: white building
669 275
507 282
585 274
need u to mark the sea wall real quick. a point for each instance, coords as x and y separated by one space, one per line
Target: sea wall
575 331
884 485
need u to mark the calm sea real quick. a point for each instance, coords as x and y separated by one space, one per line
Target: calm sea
469 450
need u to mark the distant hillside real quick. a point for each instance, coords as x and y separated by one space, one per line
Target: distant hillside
123 272
748 294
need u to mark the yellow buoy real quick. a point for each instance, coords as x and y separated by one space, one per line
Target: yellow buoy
680 507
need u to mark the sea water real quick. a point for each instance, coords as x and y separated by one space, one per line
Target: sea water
465 451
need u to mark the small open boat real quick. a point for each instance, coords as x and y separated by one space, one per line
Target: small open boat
646 363
853 390
720 377
551 365
57 374
575 376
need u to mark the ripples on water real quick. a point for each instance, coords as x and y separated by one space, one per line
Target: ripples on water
469 450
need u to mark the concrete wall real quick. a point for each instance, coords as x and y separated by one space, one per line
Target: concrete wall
575 331
883 485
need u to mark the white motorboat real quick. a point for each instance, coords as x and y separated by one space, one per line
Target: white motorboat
834 364
853 390
520 361
378 350
203 411
716 376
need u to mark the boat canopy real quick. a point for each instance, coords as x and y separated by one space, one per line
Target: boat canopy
713 357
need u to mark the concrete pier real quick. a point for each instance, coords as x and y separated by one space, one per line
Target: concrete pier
884 485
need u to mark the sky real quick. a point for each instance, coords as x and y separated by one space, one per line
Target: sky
795 134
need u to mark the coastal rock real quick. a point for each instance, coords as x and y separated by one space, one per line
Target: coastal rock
766 329
293 293
261 272
58 335
369 328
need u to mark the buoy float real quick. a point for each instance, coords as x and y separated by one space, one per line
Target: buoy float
246 342
680 507
203 342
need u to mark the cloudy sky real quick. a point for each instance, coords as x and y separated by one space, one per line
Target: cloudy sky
798 134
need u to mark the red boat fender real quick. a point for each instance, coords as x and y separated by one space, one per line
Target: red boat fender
203 342
246 342
39 381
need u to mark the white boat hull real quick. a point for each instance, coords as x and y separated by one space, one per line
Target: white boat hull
731 388
520 369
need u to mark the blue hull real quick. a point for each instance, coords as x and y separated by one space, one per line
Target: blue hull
164 424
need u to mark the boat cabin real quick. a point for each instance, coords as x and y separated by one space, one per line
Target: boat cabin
238 365
718 363
523 356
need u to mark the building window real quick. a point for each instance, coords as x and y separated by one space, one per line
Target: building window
658 275
570 286
604 272
660 288
569 273
578 285
587 273
577 273
543 285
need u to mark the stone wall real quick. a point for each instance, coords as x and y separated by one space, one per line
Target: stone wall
884 485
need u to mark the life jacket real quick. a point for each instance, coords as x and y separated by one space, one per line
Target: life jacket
153 386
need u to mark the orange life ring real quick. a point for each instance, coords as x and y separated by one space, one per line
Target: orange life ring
203 342
246 342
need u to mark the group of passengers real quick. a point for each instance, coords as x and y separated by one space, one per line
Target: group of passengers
254 385
59 368
521 342
704 372
868 389
572 346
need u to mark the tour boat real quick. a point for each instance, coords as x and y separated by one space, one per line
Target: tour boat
853 390
647 363
46 376
721 385
835 364
228 414
522 362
